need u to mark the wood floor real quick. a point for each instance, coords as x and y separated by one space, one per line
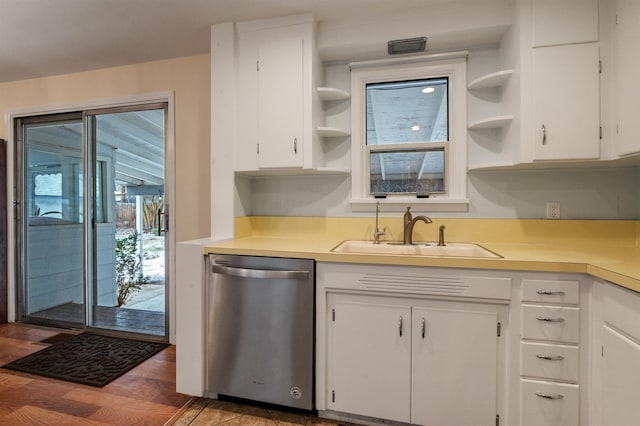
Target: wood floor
144 396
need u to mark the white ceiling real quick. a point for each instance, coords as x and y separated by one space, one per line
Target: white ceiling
50 37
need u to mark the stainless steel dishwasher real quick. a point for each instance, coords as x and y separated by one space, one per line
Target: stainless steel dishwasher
260 329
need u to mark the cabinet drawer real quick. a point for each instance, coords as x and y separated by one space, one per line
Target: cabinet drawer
551 291
549 404
550 361
553 323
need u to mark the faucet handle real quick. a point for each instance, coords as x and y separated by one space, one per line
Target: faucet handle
407 215
441 236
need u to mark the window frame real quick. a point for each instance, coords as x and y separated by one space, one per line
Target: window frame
451 66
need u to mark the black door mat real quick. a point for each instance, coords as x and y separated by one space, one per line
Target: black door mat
87 358
54 339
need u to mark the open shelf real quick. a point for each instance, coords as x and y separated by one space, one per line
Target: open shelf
495 79
497 122
332 94
332 132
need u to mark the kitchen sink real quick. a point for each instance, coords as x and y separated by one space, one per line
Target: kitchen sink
415 249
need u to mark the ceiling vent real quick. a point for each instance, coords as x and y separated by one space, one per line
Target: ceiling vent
407 45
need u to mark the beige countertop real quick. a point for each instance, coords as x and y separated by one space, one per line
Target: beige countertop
618 265
615 259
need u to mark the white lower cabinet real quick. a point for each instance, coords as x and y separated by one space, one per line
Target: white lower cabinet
370 353
621 379
551 323
453 347
549 404
620 357
454 365
550 353
550 361
425 362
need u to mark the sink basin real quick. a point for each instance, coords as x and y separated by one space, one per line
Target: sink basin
415 249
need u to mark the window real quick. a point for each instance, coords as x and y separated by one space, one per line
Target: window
409 133
413 114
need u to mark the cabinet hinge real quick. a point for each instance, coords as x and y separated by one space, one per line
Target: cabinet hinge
333 396
600 132
333 315
499 329
497 419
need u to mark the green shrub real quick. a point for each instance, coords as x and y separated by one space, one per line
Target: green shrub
129 275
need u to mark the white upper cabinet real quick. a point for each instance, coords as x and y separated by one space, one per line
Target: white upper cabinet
564 92
564 22
566 102
275 94
626 46
280 102
246 147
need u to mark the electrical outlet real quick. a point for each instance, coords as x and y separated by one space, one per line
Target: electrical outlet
553 210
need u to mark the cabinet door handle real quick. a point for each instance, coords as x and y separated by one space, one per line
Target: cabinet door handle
550 293
550 357
547 319
550 395
400 326
423 326
544 135
295 146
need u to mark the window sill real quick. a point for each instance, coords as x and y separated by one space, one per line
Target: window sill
397 204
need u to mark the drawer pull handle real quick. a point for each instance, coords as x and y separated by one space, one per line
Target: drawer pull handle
550 357
423 326
550 293
547 319
400 326
550 395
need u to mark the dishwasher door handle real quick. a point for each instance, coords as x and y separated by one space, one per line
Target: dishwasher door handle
259 273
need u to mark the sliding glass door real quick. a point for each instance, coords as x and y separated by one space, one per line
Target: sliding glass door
91 228
51 226
127 148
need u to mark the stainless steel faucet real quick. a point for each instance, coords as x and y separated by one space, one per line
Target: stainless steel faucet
377 233
409 223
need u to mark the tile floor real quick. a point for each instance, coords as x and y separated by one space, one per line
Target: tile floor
214 412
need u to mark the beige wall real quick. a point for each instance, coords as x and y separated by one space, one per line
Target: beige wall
188 78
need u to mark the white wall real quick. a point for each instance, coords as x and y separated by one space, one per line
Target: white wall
301 196
583 194
188 78
461 24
